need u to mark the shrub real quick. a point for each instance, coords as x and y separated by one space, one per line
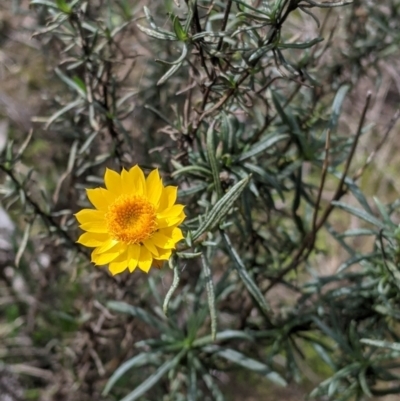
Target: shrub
260 113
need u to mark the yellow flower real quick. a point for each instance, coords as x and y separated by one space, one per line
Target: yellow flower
134 223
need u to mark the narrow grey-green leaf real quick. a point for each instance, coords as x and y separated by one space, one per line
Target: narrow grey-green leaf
44 3
62 111
192 378
304 45
262 145
135 362
261 51
337 105
213 160
221 208
210 295
244 275
71 83
383 212
359 213
157 34
174 286
356 259
154 378
23 243
179 60
209 381
290 120
123 307
248 363
197 170
169 73
381 344
362 379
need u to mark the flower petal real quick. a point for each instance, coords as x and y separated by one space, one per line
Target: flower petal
95 227
104 258
145 259
174 234
119 264
113 181
126 182
164 254
137 177
107 246
168 198
107 257
162 241
100 198
154 187
171 221
149 244
117 267
89 215
92 239
172 211
133 257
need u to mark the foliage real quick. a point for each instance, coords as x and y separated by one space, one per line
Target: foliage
245 105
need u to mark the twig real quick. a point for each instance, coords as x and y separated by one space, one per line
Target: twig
309 240
323 178
47 219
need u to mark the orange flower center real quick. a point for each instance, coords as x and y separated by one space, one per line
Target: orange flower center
131 219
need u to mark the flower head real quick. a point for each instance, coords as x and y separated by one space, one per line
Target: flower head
134 222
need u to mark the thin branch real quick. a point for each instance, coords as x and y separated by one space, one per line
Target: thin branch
308 243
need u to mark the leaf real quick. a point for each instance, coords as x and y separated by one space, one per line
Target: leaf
359 213
23 244
71 83
44 3
304 45
209 381
337 105
384 214
135 311
135 362
262 145
357 232
330 333
201 171
221 208
354 189
157 34
62 111
179 60
356 259
244 275
179 31
246 362
265 177
192 378
154 378
261 51
381 344
213 160
174 286
63 6
362 379
290 121
169 73
210 295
